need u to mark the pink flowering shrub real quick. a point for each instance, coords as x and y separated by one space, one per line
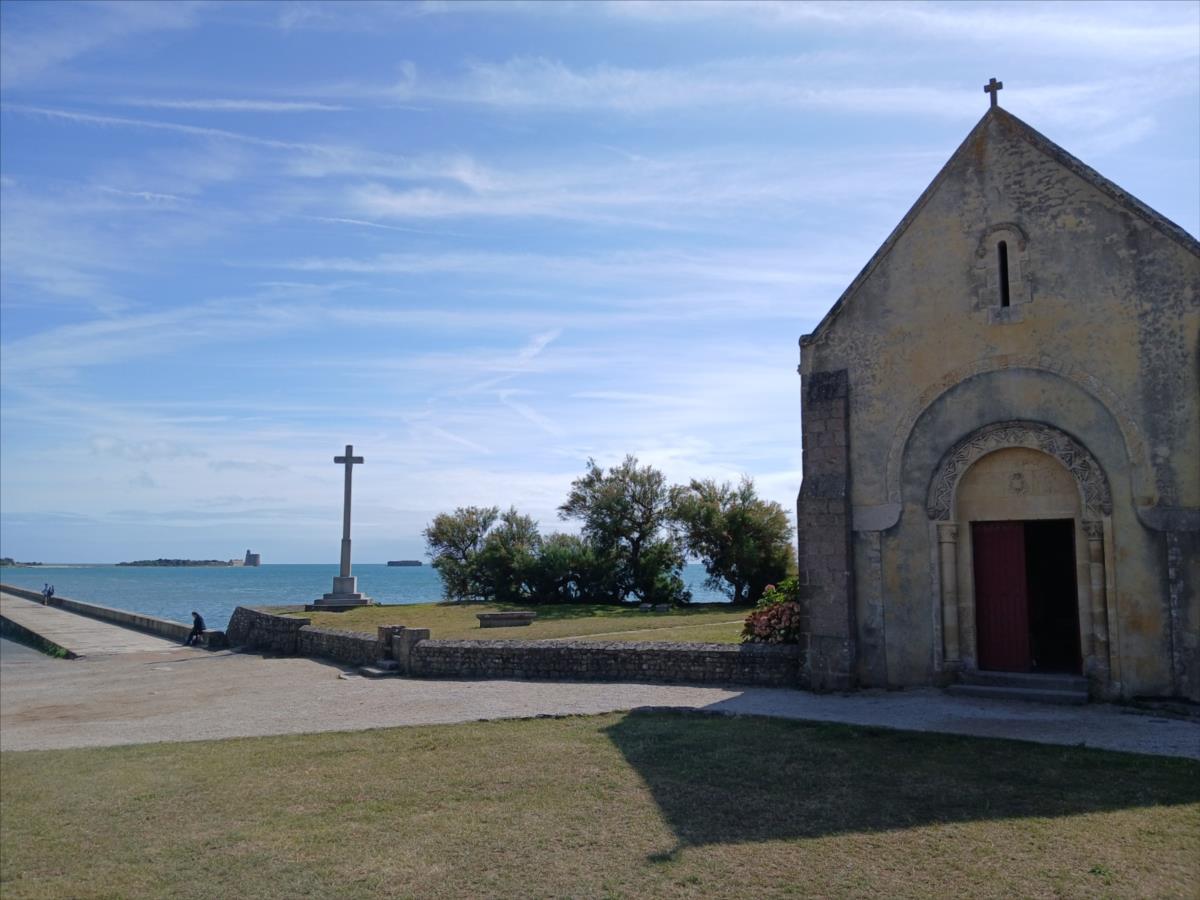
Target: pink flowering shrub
777 619
777 624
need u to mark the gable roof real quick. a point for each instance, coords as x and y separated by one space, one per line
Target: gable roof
1020 129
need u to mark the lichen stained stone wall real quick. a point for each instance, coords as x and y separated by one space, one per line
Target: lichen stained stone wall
1099 341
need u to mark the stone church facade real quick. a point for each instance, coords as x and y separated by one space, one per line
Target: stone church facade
1001 436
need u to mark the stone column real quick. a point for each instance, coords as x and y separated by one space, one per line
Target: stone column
823 521
1099 599
948 559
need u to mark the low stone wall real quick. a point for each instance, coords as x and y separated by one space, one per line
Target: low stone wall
759 664
18 632
351 647
176 631
420 657
254 629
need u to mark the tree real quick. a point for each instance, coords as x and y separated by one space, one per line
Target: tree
744 542
506 564
454 541
569 570
625 512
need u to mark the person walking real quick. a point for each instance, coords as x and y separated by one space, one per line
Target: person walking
197 631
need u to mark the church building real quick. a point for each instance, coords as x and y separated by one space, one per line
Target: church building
1001 438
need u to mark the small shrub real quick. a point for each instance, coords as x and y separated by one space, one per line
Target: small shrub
787 591
777 617
779 623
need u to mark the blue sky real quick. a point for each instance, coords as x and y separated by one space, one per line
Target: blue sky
481 243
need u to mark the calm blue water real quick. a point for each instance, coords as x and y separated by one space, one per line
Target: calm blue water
173 593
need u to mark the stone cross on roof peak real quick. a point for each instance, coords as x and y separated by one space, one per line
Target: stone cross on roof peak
993 87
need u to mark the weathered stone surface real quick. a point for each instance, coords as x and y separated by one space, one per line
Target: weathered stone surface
253 629
351 647
418 656
760 664
176 631
931 367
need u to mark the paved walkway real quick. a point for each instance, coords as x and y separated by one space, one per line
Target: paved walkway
184 694
81 635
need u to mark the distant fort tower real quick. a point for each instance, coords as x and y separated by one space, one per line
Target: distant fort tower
253 559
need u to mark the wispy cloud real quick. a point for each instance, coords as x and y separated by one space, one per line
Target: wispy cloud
801 83
1158 30
31 49
534 83
232 105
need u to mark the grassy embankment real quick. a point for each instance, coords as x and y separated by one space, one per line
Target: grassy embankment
705 623
621 805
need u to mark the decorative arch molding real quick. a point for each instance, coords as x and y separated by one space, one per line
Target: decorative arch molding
1131 434
1000 231
1089 476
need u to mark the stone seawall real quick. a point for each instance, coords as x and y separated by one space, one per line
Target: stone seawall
350 647
176 631
255 629
420 657
757 664
19 633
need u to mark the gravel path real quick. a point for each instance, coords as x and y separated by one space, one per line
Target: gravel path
183 694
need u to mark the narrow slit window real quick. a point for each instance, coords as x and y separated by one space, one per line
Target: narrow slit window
1002 255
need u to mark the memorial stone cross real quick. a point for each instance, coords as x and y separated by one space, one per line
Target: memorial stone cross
349 461
345 586
994 87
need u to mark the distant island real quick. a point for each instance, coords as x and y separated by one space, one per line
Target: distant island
9 561
405 562
210 563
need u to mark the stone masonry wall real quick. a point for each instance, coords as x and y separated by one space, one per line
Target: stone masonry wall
175 631
759 664
823 520
253 629
350 647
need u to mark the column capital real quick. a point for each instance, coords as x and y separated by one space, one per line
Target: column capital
947 532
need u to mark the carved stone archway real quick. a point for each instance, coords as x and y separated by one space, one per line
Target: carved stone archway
1089 476
955 617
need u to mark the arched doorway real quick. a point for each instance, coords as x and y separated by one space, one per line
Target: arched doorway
1020 515
1021 565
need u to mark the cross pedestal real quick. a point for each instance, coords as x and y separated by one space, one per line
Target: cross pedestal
345 586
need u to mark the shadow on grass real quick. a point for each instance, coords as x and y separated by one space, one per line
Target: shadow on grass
730 780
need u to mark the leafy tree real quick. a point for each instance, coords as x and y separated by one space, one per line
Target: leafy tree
625 512
505 566
555 577
454 541
569 570
744 542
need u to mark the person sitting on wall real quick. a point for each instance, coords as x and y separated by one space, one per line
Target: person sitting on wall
197 631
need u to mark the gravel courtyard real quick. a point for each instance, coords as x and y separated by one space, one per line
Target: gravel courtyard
182 694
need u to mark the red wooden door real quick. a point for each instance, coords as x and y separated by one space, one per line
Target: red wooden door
1001 596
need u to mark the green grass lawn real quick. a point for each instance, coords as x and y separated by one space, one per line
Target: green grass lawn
706 623
620 805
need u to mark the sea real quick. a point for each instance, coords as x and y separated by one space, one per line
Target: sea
172 593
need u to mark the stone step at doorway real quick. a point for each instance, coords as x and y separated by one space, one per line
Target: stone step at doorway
1062 689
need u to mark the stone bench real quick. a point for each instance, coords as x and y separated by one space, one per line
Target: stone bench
506 619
